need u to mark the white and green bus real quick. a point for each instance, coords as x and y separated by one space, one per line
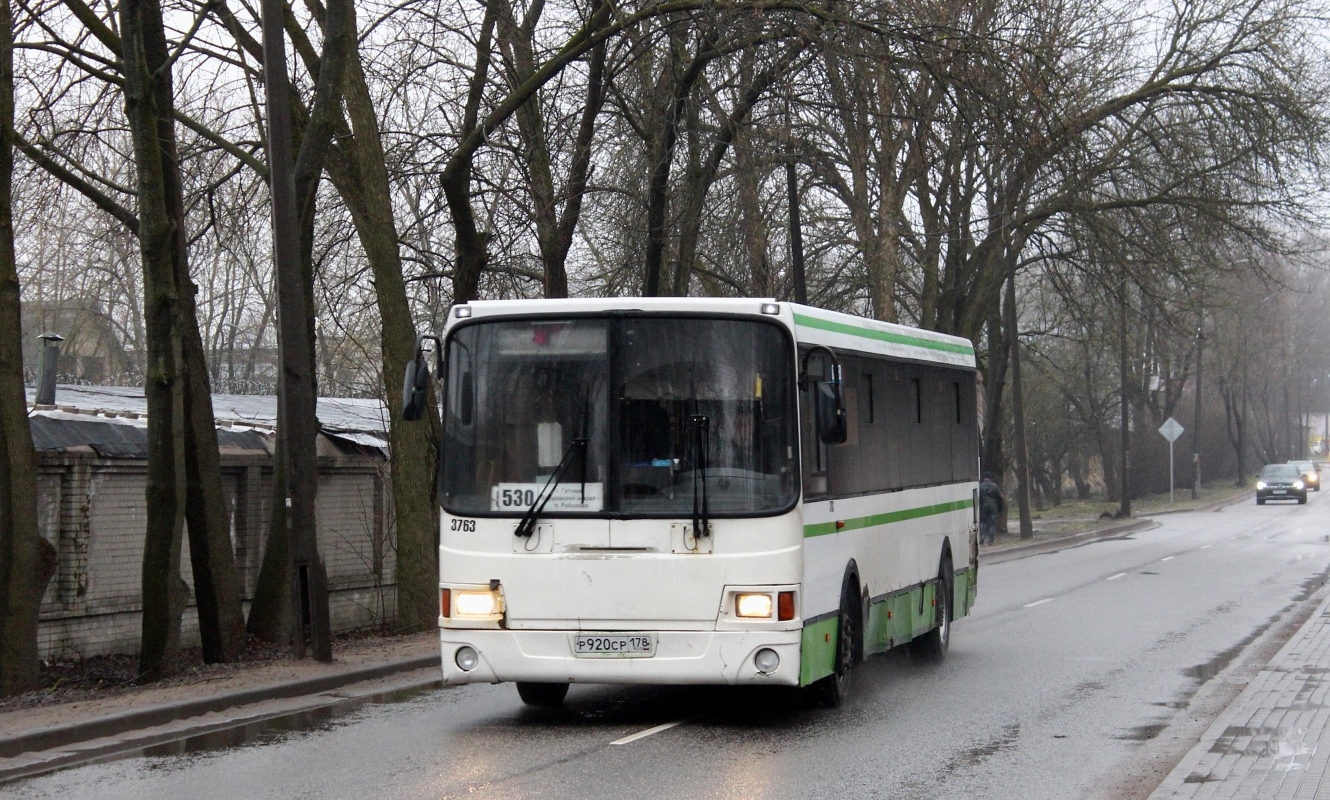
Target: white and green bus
696 491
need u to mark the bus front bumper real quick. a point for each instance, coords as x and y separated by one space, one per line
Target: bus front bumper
681 657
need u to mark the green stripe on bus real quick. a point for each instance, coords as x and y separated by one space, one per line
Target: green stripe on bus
824 528
882 336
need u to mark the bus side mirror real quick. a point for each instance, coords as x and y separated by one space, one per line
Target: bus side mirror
830 413
415 385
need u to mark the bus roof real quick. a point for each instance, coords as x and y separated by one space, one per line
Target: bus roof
810 325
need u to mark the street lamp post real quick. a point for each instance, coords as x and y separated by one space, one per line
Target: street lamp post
1325 417
1124 499
1196 420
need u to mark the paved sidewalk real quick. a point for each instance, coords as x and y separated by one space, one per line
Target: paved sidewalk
41 738
1273 741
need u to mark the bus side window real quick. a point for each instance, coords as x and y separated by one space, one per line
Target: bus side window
965 436
875 456
845 459
814 451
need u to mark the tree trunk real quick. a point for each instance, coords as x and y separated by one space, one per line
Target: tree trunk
670 95
471 244
1075 466
751 219
797 275
148 97
1124 495
1018 405
361 178
995 378
211 555
294 187
27 561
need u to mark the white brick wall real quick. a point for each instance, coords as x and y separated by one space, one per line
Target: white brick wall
93 511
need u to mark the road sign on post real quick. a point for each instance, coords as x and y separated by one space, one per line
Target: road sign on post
1170 430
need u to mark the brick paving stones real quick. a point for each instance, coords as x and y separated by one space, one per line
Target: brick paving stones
1273 741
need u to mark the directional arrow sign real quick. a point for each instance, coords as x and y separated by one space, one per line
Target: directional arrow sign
1171 430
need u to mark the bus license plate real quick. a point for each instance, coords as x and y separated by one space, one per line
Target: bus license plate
616 645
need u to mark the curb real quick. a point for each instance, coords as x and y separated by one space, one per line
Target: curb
1137 524
1021 550
76 732
1213 505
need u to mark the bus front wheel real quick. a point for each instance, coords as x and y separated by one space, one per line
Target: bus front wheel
832 690
544 695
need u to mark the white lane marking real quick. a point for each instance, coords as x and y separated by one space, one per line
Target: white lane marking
1167 558
1203 547
1039 602
1115 577
649 731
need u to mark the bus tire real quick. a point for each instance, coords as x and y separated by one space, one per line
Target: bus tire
932 646
832 690
543 695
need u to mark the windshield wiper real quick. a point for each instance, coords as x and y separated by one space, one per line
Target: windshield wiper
701 442
527 525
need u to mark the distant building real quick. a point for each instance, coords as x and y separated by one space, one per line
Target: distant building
93 352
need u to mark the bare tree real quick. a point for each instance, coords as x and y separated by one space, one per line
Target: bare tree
27 561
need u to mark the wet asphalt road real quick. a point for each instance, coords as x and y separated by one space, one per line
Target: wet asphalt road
1073 669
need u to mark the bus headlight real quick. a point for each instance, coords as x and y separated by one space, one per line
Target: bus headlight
752 606
476 603
767 661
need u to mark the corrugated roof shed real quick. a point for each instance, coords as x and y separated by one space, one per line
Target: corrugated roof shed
114 439
113 418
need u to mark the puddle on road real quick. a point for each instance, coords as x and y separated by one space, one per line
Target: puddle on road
1217 664
1312 585
279 727
981 753
1143 733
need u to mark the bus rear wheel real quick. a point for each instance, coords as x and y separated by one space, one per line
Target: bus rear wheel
832 690
932 646
543 695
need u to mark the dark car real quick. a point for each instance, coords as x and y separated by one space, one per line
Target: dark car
1311 475
1280 482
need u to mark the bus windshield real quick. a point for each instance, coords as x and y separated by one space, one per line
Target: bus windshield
651 411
